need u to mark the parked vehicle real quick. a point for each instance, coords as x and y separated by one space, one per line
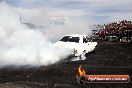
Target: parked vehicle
113 38
126 40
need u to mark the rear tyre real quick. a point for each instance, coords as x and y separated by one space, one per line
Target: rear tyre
82 56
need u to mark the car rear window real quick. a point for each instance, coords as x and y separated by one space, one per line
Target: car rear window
70 39
65 39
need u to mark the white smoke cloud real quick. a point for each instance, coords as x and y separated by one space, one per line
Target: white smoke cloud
20 45
76 22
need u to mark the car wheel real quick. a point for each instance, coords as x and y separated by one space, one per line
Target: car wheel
82 56
84 52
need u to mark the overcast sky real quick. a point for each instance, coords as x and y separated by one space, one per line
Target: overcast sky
98 11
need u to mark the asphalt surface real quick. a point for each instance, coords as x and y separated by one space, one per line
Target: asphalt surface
109 58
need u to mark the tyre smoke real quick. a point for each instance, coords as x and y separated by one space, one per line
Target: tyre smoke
20 45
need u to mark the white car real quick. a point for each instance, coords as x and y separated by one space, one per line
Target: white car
112 38
77 43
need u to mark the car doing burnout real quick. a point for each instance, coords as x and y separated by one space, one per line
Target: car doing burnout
77 43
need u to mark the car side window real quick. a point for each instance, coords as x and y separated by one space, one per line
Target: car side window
74 39
65 39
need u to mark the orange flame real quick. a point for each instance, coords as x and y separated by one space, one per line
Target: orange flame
81 71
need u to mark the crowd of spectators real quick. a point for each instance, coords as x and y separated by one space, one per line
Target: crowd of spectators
120 29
